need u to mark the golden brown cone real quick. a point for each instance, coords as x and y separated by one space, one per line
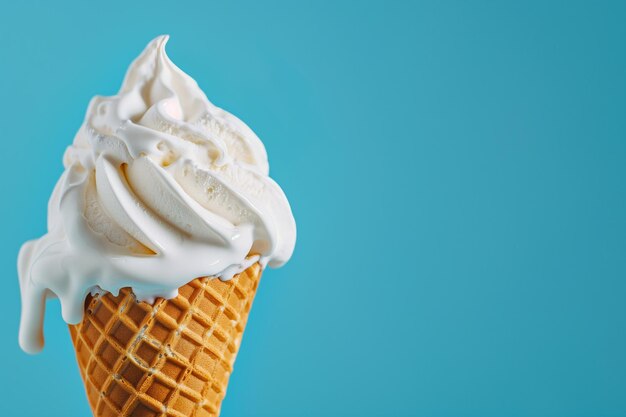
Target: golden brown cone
170 359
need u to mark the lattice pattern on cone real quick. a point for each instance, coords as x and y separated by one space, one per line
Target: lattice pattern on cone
170 359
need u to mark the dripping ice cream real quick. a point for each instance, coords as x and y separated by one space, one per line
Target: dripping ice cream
160 187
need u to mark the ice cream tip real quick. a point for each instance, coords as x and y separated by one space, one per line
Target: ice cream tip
160 187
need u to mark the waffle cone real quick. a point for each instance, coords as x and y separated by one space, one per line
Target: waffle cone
169 359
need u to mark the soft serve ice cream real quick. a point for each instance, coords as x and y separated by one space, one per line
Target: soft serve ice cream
160 187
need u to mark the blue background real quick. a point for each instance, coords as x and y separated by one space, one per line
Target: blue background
457 171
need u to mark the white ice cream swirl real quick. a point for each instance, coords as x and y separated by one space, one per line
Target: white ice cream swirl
160 187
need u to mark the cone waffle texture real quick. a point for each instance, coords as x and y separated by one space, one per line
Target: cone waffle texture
172 358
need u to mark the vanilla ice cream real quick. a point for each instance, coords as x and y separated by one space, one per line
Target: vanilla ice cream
160 187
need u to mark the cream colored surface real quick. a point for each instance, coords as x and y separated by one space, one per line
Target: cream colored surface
160 187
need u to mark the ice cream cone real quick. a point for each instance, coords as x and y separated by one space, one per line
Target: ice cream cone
172 358
160 187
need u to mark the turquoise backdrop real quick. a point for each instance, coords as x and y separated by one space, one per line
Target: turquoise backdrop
456 169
